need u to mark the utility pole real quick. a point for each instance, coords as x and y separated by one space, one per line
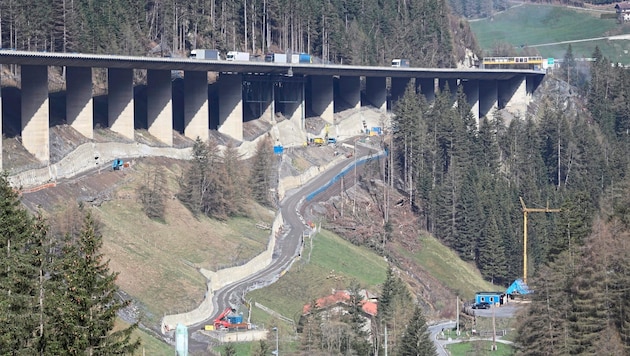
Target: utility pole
527 210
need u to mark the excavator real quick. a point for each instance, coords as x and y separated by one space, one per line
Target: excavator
221 322
228 320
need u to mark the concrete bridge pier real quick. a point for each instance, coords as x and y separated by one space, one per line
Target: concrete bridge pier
160 105
488 94
120 113
231 105
376 92
289 98
35 111
426 86
196 112
349 92
79 100
513 94
322 97
397 90
471 89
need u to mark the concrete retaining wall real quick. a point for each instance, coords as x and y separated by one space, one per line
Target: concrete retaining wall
221 278
288 183
90 156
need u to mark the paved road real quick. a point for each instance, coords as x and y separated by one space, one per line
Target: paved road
287 248
435 330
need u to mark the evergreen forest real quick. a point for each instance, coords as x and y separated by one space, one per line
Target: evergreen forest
362 32
466 182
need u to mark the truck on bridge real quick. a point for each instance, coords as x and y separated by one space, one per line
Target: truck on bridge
205 54
237 56
400 63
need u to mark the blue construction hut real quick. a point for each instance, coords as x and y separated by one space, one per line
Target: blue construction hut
489 297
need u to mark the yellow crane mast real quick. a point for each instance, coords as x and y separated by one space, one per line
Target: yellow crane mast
527 210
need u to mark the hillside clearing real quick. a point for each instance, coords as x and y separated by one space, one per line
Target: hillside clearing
532 24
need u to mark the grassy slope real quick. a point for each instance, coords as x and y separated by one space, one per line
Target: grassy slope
444 265
158 261
538 24
334 263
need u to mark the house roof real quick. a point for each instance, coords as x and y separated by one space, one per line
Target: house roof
343 297
623 6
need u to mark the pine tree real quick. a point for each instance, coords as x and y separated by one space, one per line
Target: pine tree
20 274
194 183
416 340
82 304
491 259
261 172
543 326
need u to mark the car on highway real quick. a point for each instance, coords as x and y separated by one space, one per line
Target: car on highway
481 305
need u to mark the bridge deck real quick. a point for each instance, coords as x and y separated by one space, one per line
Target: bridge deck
112 61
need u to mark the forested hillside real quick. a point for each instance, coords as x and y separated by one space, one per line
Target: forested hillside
570 154
466 182
349 31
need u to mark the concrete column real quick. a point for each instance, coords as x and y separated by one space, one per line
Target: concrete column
79 101
376 92
488 97
120 101
426 87
513 94
397 91
35 111
322 95
160 105
289 99
471 89
350 91
231 105
196 112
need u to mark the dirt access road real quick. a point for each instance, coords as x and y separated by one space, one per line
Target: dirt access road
287 249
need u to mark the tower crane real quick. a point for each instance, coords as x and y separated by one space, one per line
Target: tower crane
527 210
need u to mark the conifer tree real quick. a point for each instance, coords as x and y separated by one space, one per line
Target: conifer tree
20 274
194 183
261 172
491 258
543 326
82 303
416 340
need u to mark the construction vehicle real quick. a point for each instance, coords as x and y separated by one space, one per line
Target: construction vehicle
222 322
228 321
117 164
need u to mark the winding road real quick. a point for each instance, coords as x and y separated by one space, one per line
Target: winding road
287 248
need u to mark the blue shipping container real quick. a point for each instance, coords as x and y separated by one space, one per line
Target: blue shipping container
305 58
235 319
278 150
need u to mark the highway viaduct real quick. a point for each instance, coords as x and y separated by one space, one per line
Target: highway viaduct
242 90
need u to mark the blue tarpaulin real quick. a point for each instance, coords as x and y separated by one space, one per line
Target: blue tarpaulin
518 287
